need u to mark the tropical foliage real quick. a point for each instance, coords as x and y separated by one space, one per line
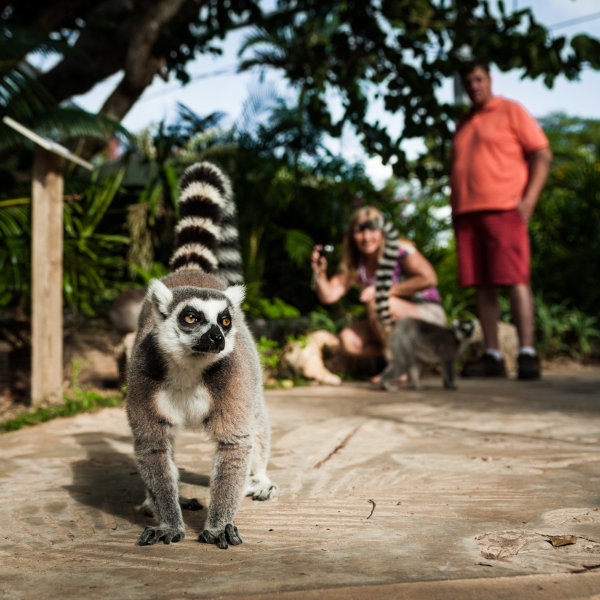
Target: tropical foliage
26 100
565 226
343 57
292 190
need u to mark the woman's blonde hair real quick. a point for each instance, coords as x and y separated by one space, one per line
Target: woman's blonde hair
350 260
350 253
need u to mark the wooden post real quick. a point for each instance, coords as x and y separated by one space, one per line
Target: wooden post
46 262
46 276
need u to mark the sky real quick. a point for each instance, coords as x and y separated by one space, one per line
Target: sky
216 86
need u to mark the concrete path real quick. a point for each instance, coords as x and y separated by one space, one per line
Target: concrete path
492 491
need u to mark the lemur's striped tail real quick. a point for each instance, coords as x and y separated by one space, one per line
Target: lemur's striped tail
385 272
206 236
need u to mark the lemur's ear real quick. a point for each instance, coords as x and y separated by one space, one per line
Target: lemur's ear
160 296
236 295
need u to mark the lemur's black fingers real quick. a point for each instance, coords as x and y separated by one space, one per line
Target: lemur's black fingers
151 535
232 535
172 538
206 537
229 535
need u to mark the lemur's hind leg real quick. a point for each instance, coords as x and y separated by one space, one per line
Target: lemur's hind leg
258 485
414 376
448 374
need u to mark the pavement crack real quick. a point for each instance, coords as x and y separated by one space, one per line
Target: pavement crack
339 447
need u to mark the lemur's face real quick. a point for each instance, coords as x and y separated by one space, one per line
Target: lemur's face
204 325
195 321
463 330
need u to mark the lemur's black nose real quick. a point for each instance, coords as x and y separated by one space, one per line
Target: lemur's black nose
211 341
215 335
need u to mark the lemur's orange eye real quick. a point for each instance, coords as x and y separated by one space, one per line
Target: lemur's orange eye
190 318
226 322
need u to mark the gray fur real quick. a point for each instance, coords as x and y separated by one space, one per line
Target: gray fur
194 365
413 343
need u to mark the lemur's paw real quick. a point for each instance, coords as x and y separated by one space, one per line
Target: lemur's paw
228 536
390 385
153 534
261 488
190 504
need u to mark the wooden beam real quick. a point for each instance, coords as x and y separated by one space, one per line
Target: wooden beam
46 276
47 144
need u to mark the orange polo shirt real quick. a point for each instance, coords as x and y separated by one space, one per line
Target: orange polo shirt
489 148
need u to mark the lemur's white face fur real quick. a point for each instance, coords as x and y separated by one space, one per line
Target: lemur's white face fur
463 329
195 323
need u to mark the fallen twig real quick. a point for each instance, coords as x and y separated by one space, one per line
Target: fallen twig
338 447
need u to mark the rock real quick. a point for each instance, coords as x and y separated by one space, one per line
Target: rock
306 357
508 341
126 308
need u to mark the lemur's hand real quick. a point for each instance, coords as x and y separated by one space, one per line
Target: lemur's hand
153 534
229 534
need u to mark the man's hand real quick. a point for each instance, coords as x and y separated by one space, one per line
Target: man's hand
539 165
525 209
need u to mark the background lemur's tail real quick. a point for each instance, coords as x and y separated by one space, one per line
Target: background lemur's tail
206 236
385 271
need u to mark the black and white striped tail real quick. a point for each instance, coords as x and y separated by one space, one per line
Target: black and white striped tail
385 271
206 236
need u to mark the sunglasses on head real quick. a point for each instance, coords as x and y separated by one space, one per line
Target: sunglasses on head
371 224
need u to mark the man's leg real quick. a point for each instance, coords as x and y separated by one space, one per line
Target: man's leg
523 313
491 364
521 306
488 312
476 255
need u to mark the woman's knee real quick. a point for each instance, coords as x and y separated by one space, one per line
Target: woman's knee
403 309
351 341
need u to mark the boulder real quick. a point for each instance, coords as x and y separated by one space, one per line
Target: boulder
306 357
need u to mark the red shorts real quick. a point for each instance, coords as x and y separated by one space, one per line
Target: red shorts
492 247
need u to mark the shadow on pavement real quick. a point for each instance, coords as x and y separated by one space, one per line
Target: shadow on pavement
107 480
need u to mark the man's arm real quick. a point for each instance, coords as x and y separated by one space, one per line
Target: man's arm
539 165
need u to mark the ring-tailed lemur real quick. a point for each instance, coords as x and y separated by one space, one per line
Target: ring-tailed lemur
194 364
411 343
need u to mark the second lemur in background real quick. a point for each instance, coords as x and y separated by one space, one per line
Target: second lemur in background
194 364
412 343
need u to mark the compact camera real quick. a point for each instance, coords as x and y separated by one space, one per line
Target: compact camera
326 249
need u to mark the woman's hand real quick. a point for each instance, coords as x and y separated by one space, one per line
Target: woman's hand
328 290
318 262
368 294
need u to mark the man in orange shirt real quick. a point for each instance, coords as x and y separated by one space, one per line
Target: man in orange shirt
500 161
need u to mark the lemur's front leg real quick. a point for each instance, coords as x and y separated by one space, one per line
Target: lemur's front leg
227 486
159 473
